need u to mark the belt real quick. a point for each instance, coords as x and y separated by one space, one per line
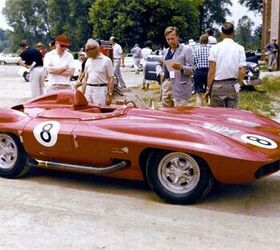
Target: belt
226 80
117 58
97 85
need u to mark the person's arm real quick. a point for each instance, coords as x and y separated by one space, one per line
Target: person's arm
187 68
84 82
241 74
21 62
110 90
210 78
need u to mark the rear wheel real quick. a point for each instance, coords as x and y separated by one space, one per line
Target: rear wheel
12 157
178 177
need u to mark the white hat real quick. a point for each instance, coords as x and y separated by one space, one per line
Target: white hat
192 42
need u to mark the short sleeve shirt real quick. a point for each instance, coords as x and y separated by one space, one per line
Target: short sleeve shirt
99 69
117 51
229 57
52 59
31 55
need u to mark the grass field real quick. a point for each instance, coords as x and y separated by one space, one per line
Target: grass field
264 100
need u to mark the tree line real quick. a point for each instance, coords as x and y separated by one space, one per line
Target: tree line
131 21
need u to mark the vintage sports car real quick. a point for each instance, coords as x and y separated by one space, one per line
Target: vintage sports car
181 153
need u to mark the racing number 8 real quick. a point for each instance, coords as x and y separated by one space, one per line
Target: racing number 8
45 133
260 141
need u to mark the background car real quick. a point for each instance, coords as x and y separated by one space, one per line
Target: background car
8 59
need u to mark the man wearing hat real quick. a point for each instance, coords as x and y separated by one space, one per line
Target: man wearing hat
31 59
59 64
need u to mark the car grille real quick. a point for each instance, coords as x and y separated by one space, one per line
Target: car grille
267 169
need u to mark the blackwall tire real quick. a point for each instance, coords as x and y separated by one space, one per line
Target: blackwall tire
177 177
12 157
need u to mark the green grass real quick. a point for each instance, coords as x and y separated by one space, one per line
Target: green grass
264 100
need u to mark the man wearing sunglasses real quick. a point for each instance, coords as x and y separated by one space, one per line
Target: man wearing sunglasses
59 64
99 74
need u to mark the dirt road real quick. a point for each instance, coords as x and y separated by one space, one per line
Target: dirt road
56 210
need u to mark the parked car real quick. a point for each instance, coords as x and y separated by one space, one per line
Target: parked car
8 59
180 152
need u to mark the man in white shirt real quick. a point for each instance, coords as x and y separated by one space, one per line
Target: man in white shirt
145 52
99 74
118 56
59 64
227 63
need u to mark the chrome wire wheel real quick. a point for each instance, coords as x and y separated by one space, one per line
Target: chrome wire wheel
8 152
178 172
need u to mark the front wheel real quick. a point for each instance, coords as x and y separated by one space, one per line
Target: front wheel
12 157
177 177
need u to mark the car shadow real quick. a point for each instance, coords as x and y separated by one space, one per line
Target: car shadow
260 199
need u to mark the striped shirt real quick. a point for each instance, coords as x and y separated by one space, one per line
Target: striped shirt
200 57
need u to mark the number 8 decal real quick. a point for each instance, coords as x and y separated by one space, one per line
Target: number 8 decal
259 141
46 133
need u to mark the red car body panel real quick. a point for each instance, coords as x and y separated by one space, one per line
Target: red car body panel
97 136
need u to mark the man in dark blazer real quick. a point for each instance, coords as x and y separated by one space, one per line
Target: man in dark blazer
178 69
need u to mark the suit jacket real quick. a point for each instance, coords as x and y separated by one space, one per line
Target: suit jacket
182 83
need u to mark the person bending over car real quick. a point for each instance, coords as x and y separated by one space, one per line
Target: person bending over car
99 74
31 59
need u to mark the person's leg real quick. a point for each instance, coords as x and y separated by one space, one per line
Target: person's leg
166 97
35 82
42 80
98 95
218 96
117 72
270 59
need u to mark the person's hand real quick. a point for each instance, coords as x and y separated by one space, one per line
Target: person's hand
108 100
207 95
177 66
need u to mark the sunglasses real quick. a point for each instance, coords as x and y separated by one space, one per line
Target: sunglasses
63 46
90 49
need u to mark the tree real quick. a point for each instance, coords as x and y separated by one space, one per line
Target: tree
28 19
137 20
254 5
244 32
71 18
213 12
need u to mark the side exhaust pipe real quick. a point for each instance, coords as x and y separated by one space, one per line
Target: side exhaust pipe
82 169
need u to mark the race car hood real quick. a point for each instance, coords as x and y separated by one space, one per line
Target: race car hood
219 131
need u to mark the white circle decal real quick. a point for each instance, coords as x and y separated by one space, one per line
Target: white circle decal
46 133
259 141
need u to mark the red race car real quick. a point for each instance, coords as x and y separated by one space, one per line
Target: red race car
180 152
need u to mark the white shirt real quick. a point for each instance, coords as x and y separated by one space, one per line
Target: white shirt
99 69
117 51
229 56
52 59
145 52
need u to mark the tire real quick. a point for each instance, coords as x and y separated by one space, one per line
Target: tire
26 76
12 157
177 177
2 62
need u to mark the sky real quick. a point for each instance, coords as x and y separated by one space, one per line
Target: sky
237 12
